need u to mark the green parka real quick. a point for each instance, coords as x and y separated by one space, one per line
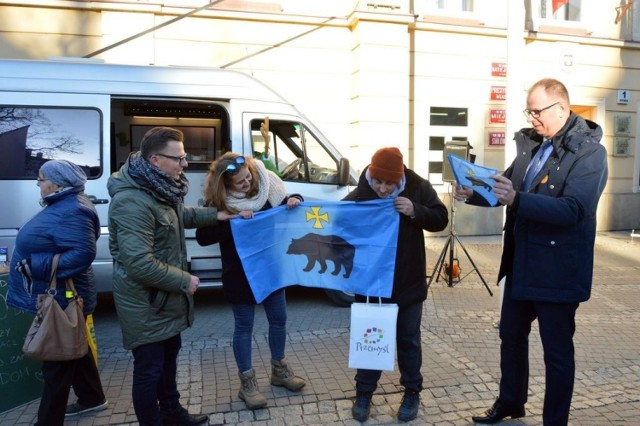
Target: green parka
150 278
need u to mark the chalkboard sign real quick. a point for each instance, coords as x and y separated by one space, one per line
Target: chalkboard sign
20 377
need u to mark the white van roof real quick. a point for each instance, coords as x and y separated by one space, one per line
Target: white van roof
67 76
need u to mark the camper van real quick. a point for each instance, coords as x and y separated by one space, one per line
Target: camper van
95 114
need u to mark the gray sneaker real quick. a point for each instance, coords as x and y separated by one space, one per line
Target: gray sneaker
76 408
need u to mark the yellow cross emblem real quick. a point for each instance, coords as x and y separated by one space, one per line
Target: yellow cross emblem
314 214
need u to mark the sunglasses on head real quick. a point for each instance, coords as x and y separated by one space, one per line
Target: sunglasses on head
234 167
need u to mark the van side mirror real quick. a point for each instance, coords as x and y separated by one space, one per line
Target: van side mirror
343 171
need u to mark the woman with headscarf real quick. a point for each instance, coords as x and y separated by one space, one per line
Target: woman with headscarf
69 225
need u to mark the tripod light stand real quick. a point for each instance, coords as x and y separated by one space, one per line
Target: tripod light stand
449 248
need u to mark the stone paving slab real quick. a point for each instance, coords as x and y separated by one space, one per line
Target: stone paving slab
460 351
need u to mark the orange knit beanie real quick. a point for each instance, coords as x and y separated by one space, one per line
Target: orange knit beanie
386 165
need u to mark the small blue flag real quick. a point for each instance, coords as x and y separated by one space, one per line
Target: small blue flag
340 245
474 176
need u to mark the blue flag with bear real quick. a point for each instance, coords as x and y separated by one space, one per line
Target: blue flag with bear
340 245
474 176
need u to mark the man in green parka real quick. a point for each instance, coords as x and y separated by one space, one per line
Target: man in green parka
153 291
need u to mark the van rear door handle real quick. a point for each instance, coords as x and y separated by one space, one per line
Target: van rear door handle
95 200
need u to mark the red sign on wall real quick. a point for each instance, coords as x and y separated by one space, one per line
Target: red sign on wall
496 138
497 116
498 69
498 93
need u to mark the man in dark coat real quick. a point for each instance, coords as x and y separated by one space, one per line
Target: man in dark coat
420 209
551 191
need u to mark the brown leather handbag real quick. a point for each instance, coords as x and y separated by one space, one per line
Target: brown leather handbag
57 334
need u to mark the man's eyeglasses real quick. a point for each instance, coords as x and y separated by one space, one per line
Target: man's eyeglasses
535 113
234 167
173 157
41 179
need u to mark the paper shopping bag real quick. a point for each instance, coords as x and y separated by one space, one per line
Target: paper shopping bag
372 343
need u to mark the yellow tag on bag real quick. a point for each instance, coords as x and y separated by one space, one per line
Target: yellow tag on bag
91 337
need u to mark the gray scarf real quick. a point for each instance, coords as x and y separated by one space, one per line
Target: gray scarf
151 177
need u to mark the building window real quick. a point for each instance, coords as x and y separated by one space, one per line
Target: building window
446 124
451 5
457 117
635 19
561 10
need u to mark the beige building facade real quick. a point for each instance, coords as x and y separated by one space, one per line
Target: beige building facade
413 74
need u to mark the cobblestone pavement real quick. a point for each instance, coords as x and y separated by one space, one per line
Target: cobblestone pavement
460 351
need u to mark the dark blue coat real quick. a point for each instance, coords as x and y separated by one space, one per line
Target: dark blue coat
550 230
68 225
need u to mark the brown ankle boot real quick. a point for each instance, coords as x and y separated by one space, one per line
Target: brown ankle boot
249 391
282 375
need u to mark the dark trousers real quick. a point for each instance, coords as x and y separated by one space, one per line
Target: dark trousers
409 353
557 326
59 376
154 380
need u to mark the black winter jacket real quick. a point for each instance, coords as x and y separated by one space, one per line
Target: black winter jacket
409 282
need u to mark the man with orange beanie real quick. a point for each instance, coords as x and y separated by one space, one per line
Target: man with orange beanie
420 209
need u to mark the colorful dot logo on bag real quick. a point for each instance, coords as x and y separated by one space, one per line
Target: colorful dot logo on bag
373 335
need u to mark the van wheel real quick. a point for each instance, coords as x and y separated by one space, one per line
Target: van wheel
340 298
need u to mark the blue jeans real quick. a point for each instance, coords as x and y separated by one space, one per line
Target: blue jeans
409 353
275 306
154 380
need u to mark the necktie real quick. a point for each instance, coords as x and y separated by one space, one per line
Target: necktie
536 164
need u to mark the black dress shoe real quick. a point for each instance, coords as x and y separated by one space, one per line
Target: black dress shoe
183 418
498 412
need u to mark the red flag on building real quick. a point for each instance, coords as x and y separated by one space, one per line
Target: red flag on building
557 4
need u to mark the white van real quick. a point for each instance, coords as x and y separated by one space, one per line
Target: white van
95 114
